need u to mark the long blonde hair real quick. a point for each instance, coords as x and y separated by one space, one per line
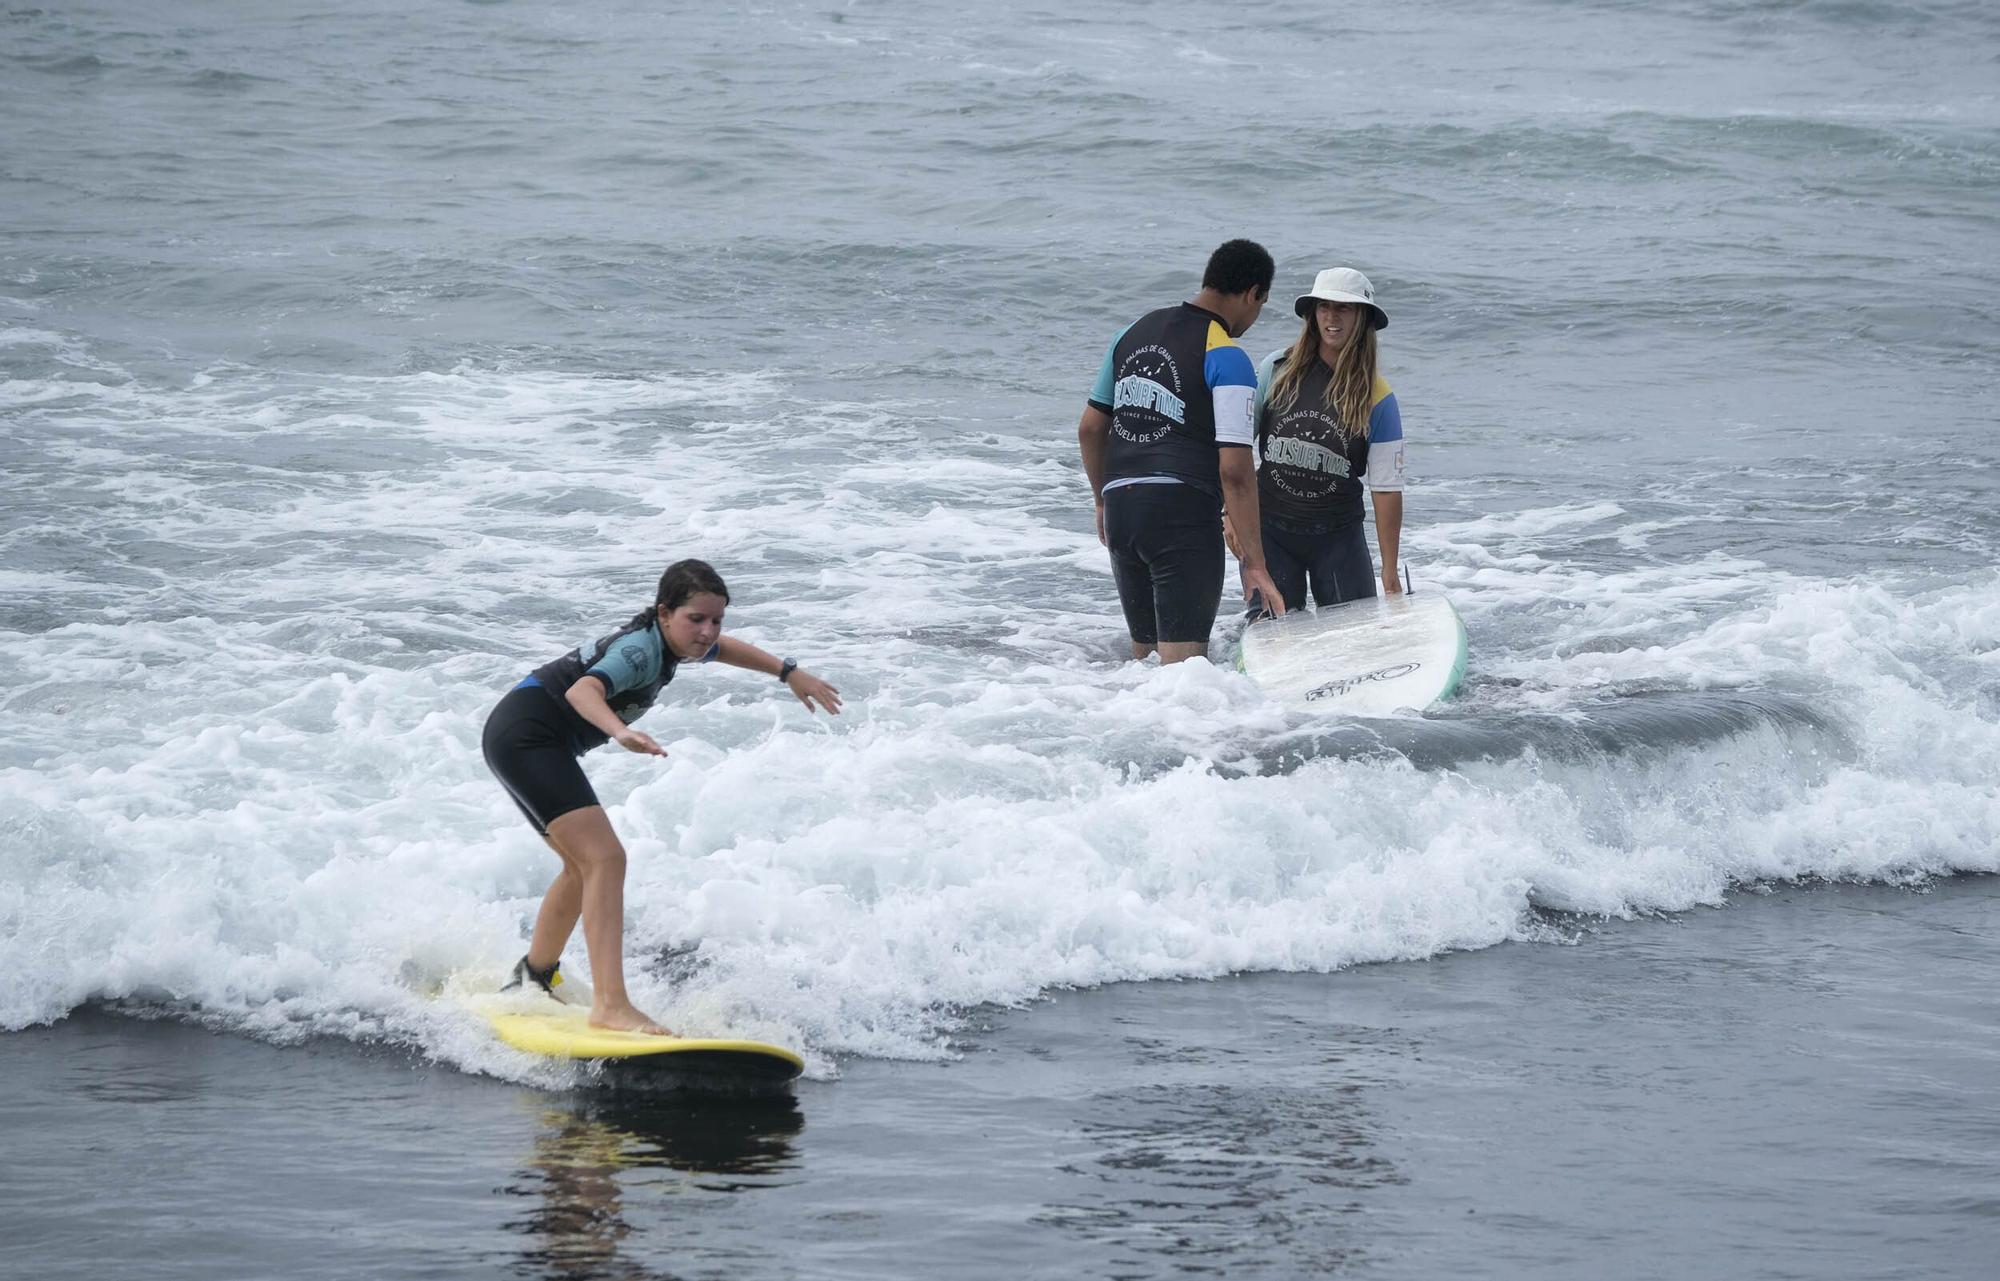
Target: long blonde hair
1350 393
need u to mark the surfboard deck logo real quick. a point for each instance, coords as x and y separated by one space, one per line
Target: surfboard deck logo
1333 689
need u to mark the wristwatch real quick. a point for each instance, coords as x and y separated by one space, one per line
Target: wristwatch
786 668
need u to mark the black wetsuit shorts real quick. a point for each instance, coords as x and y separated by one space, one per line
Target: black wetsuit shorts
1166 553
530 749
1333 560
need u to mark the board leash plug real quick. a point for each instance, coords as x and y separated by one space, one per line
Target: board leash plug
524 974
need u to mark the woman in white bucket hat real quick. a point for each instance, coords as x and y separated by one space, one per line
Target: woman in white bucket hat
1326 420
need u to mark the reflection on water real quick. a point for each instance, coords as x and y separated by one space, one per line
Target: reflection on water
1206 1178
1249 1149
599 1158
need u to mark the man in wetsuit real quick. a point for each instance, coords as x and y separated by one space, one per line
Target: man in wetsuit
1166 442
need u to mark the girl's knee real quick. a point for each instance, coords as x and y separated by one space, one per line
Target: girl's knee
593 858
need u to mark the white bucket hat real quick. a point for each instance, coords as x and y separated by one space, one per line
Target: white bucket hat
1341 284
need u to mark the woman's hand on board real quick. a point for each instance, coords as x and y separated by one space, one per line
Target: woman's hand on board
810 689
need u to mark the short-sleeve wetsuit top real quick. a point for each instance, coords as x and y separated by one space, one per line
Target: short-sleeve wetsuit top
1177 387
1309 469
633 664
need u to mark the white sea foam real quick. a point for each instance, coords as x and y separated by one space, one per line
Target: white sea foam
252 791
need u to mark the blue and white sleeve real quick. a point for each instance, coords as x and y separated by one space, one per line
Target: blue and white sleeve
1267 373
630 662
1385 445
1232 386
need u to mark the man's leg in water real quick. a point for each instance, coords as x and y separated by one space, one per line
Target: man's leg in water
1186 564
1129 572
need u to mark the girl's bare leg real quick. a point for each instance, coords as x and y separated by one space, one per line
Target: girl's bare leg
557 918
592 850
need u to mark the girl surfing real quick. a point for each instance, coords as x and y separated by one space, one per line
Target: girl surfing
539 730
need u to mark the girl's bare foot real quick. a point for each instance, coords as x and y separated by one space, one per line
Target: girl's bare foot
627 1018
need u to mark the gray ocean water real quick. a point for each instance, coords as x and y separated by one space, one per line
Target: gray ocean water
354 361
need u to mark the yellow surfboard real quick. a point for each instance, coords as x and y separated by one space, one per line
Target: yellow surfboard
542 1026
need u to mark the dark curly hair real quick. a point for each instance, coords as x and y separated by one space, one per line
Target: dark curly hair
1237 265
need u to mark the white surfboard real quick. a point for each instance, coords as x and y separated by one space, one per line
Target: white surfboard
1364 658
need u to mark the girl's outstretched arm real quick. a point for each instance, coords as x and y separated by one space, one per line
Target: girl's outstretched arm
806 687
587 697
